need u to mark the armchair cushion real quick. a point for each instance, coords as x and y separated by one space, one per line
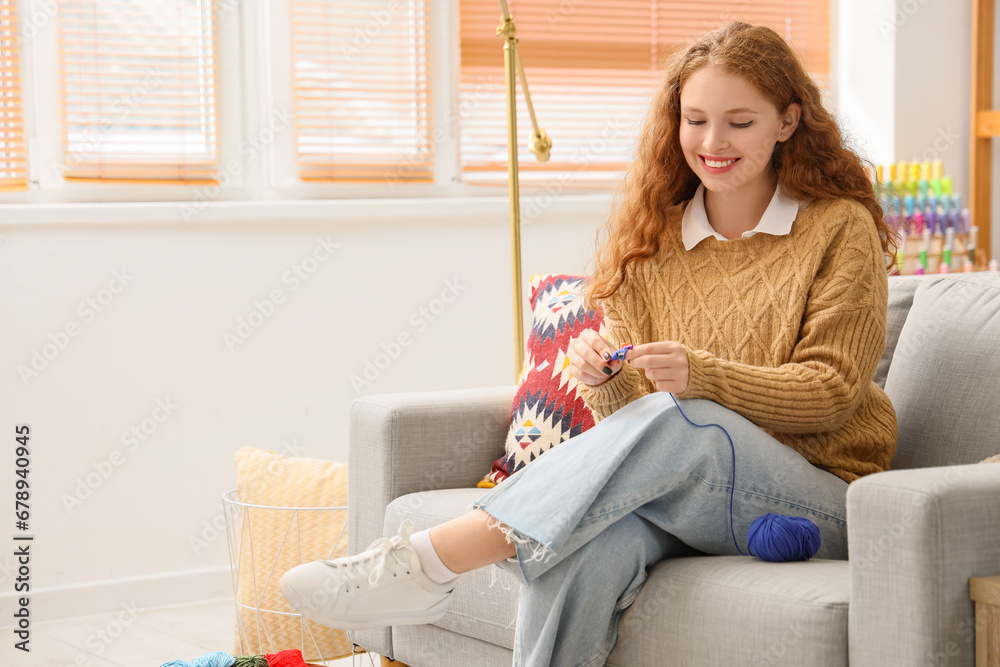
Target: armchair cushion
901 289
546 409
945 373
720 610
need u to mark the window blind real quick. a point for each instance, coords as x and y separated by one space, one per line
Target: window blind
591 70
138 90
13 163
362 89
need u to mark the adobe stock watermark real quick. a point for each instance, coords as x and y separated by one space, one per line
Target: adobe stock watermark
379 20
420 320
565 9
892 533
453 119
945 139
936 325
901 13
88 309
91 142
732 13
775 654
950 652
132 439
40 14
212 529
657 593
225 6
101 639
264 309
536 204
7 570
489 432
248 150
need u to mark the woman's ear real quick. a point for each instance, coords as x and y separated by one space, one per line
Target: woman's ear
790 120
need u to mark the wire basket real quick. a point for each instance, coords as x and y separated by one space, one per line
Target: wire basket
264 542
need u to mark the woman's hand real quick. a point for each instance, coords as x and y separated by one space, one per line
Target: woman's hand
587 353
665 363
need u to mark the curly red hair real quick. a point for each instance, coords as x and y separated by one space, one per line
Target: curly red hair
814 163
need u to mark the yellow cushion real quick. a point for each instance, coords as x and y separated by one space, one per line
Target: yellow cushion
272 541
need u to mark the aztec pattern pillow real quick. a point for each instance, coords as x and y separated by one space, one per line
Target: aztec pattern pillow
546 409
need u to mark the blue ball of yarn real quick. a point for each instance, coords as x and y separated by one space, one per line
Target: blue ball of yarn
214 659
778 538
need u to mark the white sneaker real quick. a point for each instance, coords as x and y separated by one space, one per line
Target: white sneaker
381 586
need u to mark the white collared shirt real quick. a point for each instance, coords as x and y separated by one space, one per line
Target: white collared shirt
777 219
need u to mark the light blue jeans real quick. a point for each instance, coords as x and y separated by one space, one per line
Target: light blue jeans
644 484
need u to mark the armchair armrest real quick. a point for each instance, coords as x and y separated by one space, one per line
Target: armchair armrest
915 538
419 441
410 442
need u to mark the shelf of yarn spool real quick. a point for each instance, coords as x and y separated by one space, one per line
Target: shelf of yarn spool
935 253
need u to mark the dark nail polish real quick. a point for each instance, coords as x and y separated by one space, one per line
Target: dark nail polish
607 356
607 371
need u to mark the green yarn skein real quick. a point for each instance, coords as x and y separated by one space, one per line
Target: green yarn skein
250 661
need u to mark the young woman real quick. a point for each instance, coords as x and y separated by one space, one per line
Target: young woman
746 262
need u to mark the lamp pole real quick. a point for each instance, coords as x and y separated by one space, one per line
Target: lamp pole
540 146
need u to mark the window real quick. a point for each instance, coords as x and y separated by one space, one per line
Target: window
13 165
138 90
206 100
361 90
591 68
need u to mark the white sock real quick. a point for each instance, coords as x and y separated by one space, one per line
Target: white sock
430 563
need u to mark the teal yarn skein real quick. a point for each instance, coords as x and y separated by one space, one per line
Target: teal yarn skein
214 659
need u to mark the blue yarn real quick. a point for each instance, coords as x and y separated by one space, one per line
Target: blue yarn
779 538
772 537
214 659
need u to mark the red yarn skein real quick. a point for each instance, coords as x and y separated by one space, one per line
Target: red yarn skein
290 658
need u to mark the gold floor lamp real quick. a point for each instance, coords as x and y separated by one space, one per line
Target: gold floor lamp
540 145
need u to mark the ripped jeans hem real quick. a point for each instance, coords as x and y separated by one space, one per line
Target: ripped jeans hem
529 550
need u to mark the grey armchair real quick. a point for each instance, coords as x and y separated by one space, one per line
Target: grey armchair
916 533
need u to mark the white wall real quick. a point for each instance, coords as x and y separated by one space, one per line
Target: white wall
866 106
161 337
933 86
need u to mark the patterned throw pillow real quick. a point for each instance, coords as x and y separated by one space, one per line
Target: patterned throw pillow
546 409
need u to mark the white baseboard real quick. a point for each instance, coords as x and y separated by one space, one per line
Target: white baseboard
111 595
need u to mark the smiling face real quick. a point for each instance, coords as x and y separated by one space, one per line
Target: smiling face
728 131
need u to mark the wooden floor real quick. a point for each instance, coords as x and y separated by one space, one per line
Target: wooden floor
150 638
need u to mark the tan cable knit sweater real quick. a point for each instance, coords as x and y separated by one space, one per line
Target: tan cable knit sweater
785 330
